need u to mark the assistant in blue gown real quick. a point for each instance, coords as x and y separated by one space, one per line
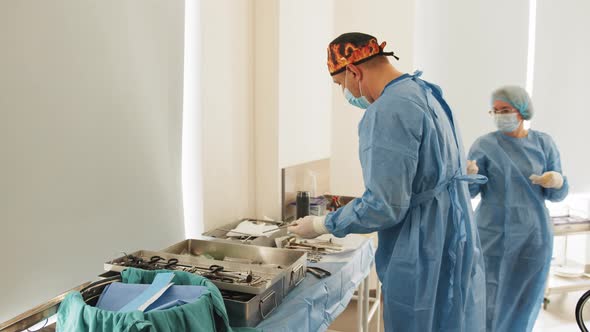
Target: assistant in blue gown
429 257
514 225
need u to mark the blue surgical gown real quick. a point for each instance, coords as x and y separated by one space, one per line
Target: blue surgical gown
514 225
429 257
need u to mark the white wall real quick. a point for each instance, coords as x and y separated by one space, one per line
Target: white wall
256 76
266 105
90 133
227 110
560 92
305 88
390 21
470 62
560 95
470 48
292 92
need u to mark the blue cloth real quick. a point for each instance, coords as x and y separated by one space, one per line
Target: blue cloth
160 283
116 295
514 225
429 258
316 303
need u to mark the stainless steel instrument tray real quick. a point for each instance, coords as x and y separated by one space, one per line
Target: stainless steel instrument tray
291 263
249 310
271 275
264 241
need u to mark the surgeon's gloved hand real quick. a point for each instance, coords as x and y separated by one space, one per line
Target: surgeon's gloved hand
472 167
309 227
548 180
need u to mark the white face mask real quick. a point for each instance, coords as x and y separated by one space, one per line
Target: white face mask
507 122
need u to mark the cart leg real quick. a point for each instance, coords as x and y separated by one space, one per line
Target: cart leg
546 302
366 305
565 251
359 306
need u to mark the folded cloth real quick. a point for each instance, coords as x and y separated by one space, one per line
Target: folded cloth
248 227
206 314
116 295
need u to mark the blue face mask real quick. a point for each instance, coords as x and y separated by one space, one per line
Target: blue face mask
506 122
360 102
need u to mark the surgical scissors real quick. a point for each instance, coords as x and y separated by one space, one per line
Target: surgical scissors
170 264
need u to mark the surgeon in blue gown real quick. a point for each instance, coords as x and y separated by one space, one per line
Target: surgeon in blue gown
524 170
416 197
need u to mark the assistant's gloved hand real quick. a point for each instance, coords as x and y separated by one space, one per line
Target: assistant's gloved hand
309 227
472 167
548 180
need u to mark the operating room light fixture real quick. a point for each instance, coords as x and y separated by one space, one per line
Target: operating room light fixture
192 184
530 67
530 63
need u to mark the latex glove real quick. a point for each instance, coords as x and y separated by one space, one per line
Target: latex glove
548 180
472 167
309 227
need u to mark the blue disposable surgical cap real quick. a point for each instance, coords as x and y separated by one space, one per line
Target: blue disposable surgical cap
517 97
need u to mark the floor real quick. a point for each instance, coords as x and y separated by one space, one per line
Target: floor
560 314
347 321
558 317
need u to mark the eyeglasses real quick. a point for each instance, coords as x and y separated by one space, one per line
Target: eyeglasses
502 111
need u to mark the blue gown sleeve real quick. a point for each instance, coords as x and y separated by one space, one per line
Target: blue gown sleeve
554 164
389 161
476 153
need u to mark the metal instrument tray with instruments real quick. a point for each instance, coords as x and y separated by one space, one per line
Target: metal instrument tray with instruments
236 277
268 240
246 304
289 264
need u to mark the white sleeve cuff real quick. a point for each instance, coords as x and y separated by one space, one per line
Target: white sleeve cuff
319 225
557 180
